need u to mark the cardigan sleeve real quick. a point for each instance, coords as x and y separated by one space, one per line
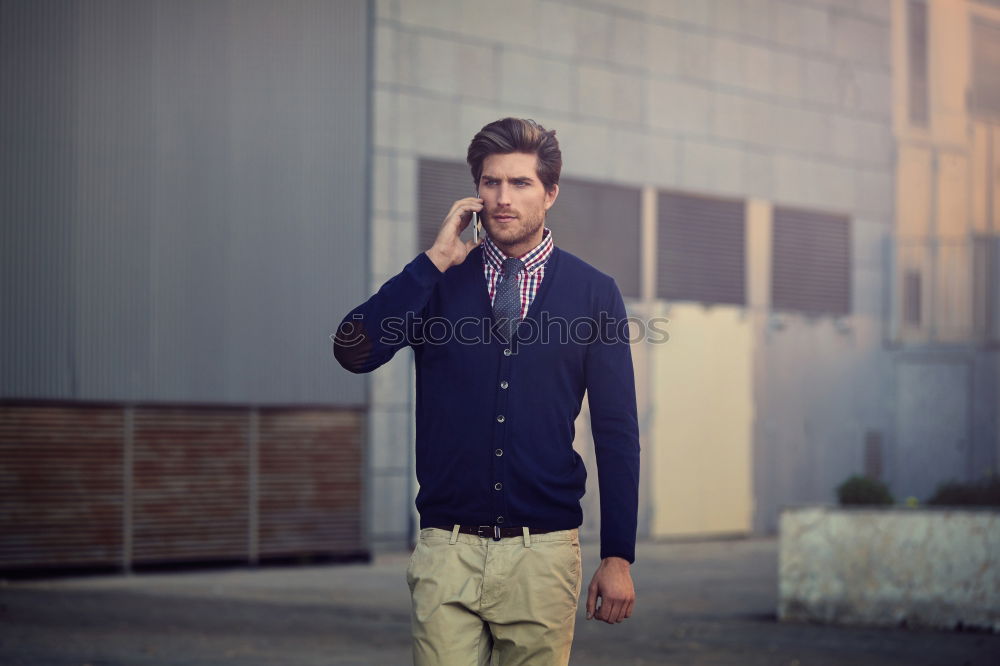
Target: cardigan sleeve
370 334
615 426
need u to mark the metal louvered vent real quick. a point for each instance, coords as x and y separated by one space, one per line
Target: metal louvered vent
60 486
439 184
701 249
190 484
91 486
310 481
599 222
811 262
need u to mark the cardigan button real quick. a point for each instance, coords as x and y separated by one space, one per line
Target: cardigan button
507 352
504 384
498 452
499 519
498 486
500 419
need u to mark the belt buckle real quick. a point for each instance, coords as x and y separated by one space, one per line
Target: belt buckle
479 530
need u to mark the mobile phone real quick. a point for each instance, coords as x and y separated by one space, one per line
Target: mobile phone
476 225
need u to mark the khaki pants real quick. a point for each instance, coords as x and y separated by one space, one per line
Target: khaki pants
473 597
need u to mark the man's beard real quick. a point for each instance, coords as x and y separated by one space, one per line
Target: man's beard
515 232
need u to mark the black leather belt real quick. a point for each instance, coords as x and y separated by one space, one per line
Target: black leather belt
492 530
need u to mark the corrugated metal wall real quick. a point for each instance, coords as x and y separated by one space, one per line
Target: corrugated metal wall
183 221
184 193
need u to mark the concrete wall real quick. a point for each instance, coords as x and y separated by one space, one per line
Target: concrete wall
922 567
776 101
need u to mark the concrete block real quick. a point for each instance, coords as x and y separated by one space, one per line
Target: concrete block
426 125
438 15
615 96
405 187
712 168
833 187
641 158
559 20
874 92
531 81
696 56
628 42
515 25
786 74
389 495
475 68
679 106
728 62
385 54
875 142
663 49
387 9
382 190
794 179
859 566
860 40
802 130
592 30
757 68
866 292
801 26
758 174
821 82
384 111
743 17
393 244
684 11
436 63
742 118
879 10
585 148
874 192
390 442
867 241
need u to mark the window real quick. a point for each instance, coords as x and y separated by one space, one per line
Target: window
811 262
916 11
700 249
985 89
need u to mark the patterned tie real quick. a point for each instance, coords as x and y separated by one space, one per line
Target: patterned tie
507 300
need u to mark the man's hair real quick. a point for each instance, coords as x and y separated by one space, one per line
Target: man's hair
517 135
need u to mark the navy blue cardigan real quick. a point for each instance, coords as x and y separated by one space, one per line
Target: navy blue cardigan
495 420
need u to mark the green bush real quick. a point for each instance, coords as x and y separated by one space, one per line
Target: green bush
859 489
985 492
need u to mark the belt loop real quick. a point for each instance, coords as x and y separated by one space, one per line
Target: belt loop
454 534
527 538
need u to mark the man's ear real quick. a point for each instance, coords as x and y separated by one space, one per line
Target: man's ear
550 196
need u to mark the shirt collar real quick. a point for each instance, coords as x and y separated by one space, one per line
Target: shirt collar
533 260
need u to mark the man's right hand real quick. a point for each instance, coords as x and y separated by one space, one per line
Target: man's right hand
448 249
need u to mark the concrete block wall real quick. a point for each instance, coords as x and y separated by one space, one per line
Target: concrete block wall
778 100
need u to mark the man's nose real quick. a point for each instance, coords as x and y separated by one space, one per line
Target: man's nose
503 195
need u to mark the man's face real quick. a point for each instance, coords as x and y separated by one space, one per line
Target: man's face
514 201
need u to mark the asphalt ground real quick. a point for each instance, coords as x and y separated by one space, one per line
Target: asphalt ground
697 603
